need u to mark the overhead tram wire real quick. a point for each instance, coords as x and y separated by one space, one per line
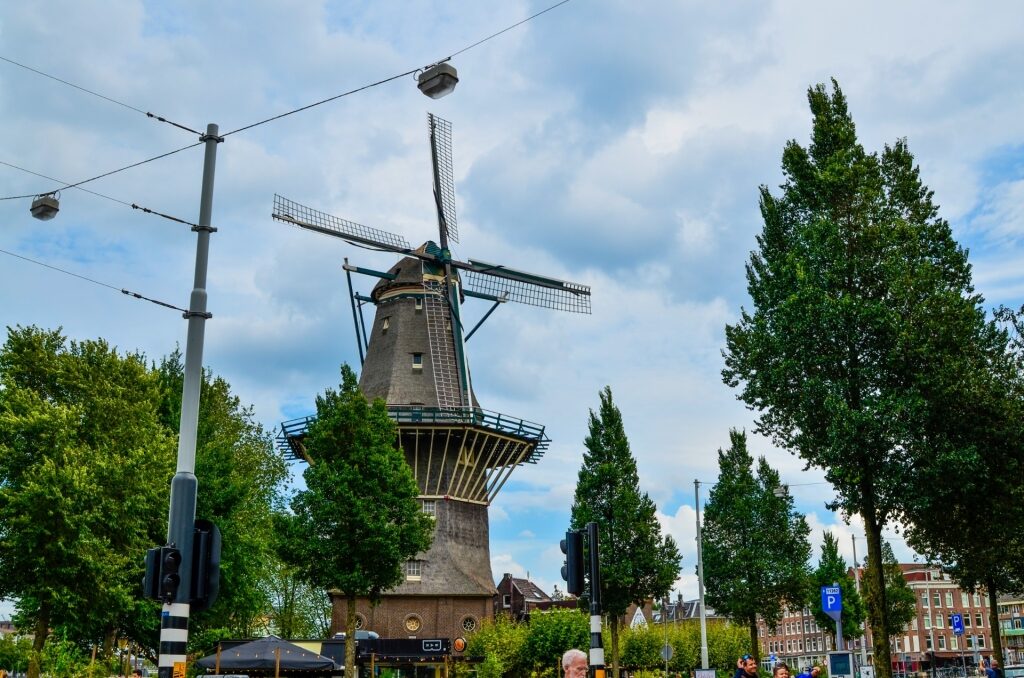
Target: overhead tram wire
153 116
101 195
122 290
395 77
255 124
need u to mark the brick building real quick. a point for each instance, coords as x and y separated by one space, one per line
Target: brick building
1011 628
927 640
517 597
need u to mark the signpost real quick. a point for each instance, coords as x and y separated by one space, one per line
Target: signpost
956 622
832 605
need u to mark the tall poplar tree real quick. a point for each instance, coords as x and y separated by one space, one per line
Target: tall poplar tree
865 327
358 520
755 548
637 562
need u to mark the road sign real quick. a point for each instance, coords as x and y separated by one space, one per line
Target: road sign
666 653
832 601
957 622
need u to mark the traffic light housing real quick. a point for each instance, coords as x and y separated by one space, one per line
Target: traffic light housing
572 571
170 573
205 566
151 582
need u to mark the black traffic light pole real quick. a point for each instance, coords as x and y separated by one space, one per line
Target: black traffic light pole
572 573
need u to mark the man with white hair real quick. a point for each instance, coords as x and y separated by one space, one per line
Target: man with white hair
574 664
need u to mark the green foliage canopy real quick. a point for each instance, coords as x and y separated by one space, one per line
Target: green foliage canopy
755 544
637 562
832 569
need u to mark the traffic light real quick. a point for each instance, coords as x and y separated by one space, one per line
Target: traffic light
572 571
170 576
205 565
151 582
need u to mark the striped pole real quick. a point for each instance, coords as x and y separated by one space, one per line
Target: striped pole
182 513
596 642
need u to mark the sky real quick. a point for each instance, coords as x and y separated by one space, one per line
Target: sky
612 143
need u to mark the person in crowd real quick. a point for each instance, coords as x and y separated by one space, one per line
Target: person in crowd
574 664
993 670
780 670
746 667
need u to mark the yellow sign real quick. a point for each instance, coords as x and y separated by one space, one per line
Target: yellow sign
179 669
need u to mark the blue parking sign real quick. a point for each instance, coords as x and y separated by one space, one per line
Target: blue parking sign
957 622
832 601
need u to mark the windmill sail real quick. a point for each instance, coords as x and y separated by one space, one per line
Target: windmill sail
443 362
444 176
526 288
291 212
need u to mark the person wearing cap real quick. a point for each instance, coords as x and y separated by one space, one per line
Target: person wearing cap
746 667
993 670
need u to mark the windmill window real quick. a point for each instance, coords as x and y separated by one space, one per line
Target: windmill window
430 507
419 303
468 624
385 324
413 570
417 361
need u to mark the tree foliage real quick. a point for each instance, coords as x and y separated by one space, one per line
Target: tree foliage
832 569
553 632
241 477
85 468
900 599
637 562
865 328
358 520
755 544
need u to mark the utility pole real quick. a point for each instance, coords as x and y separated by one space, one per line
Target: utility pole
856 578
182 512
700 581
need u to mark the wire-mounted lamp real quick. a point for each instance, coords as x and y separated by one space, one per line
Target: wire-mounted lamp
45 206
438 80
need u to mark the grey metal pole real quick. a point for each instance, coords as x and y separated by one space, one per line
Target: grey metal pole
700 581
182 513
863 635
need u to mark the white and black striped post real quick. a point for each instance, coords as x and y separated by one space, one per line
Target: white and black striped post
182 513
596 642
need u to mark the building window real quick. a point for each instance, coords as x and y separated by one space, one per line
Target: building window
981 642
807 626
928 642
954 643
385 324
468 624
430 507
967 619
927 622
413 570
417 361
963 600
419 303
506 600
913 623
360 621
970 642
940 621
942 642
937 599
949 599
413 623
924 600
979 621
977 600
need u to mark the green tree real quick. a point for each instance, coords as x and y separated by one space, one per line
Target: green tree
863 316
637 562
553 632
755 545
502 644
241 477
85 468
358 520
900 600
832 569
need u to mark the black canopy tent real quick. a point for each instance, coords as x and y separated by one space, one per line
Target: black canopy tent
268 656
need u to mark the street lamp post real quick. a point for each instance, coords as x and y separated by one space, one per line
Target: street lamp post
700 581
182 511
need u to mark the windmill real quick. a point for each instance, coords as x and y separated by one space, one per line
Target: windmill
415 359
